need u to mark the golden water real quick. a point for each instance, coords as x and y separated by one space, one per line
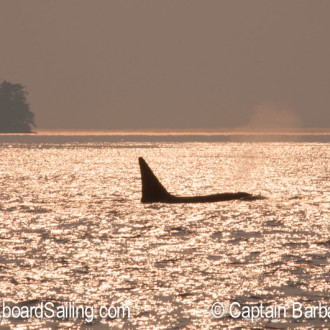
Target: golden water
72 229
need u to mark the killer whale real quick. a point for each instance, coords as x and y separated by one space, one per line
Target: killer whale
154 192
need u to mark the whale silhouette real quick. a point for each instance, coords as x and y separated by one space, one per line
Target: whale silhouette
154 192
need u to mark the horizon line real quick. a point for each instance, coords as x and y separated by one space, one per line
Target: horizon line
177 132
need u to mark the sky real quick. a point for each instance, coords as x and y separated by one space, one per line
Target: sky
169 64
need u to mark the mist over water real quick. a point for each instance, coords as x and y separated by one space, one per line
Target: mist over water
273 117
72 228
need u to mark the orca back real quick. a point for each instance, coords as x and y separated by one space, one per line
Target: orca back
154 192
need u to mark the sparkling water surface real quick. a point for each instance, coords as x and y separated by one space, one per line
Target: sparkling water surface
72 229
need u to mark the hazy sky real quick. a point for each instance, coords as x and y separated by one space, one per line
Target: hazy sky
105 64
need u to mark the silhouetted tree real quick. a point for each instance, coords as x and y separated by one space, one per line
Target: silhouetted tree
15 114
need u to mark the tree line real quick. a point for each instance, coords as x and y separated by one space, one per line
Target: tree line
15 113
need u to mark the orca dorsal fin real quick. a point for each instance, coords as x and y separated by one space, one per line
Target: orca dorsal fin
152 190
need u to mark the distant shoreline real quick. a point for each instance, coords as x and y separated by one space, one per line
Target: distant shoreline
177 132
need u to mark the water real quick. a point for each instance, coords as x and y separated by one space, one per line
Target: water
72 229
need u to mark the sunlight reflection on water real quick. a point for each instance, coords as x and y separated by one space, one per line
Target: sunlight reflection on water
73 229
